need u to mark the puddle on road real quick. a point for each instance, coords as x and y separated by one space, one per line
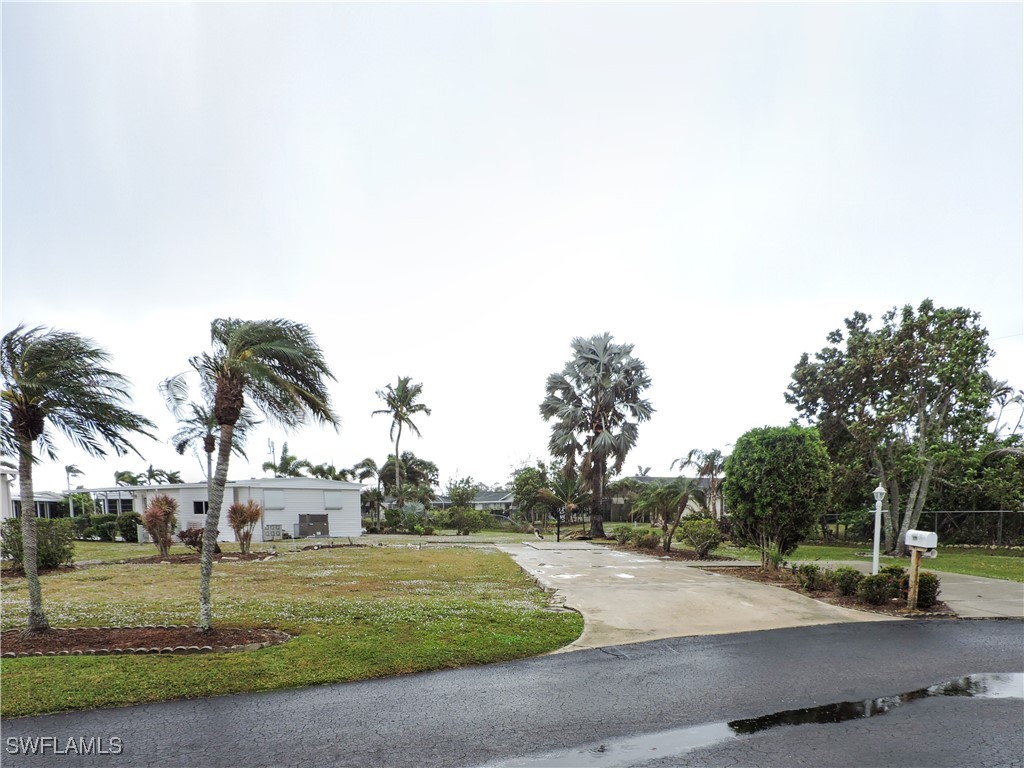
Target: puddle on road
636 750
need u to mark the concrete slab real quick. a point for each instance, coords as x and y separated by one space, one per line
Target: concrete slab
626 597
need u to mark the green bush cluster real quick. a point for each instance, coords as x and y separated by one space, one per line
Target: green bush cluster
893 583
102 527
55 543
126 524
701 534
637 536
812 578
847 580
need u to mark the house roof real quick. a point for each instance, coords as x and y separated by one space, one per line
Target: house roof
40 496
313 483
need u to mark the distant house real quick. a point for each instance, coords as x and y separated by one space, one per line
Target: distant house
496 502
297 506
620 507
47 505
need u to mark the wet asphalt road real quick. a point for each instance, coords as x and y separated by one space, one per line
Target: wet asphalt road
475 716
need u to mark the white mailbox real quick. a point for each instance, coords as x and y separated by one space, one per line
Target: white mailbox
924 539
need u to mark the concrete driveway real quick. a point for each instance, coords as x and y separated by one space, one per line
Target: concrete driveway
626 597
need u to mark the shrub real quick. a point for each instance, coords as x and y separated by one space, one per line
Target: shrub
621 534
193 539
103 527
243 518
127 523
847 580
898 578
874 590
81 526
468 520
54 543
159 520
701 534
440 518
428 530
644 538
812 578
927 589
392 518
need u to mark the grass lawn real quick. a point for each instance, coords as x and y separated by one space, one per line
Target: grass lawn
1005 564
356 613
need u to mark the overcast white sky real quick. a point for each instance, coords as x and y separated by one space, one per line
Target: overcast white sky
454 191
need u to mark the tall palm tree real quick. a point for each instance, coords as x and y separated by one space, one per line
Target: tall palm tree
58 380
71 471
401 407
411 469
279 366
197 423
711 466
596 403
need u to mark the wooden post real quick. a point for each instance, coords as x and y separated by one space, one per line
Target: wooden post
915 573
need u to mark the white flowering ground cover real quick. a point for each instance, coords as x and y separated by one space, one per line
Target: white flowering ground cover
355 613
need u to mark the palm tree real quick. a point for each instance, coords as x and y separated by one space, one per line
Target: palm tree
287 465
327 471
411 469
596 405
57 379
279 366
198 425
666 503
367 470
566 491
71 471
127 477
401 407
710 465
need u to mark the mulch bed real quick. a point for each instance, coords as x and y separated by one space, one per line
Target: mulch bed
92 641
674 554
786 580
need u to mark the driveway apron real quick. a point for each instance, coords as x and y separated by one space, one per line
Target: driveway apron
626 597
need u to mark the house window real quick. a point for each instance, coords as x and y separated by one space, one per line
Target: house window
273 499
333 499
200 507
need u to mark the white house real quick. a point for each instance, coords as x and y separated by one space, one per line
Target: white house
297 506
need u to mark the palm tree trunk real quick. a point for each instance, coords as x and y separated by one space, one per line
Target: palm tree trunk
30 543
398 479
596 490
216 498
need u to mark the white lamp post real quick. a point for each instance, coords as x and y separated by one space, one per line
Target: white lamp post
879 493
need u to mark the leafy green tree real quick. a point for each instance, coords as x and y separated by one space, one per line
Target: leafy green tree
709 466
666 503
462 492
528 484
779 478
197 424
54 379
279 366
83 505
894 401
595 405
402 405
288 465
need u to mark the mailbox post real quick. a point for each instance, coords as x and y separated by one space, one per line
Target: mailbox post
919 543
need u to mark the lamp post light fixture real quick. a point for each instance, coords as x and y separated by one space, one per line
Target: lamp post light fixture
879 494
